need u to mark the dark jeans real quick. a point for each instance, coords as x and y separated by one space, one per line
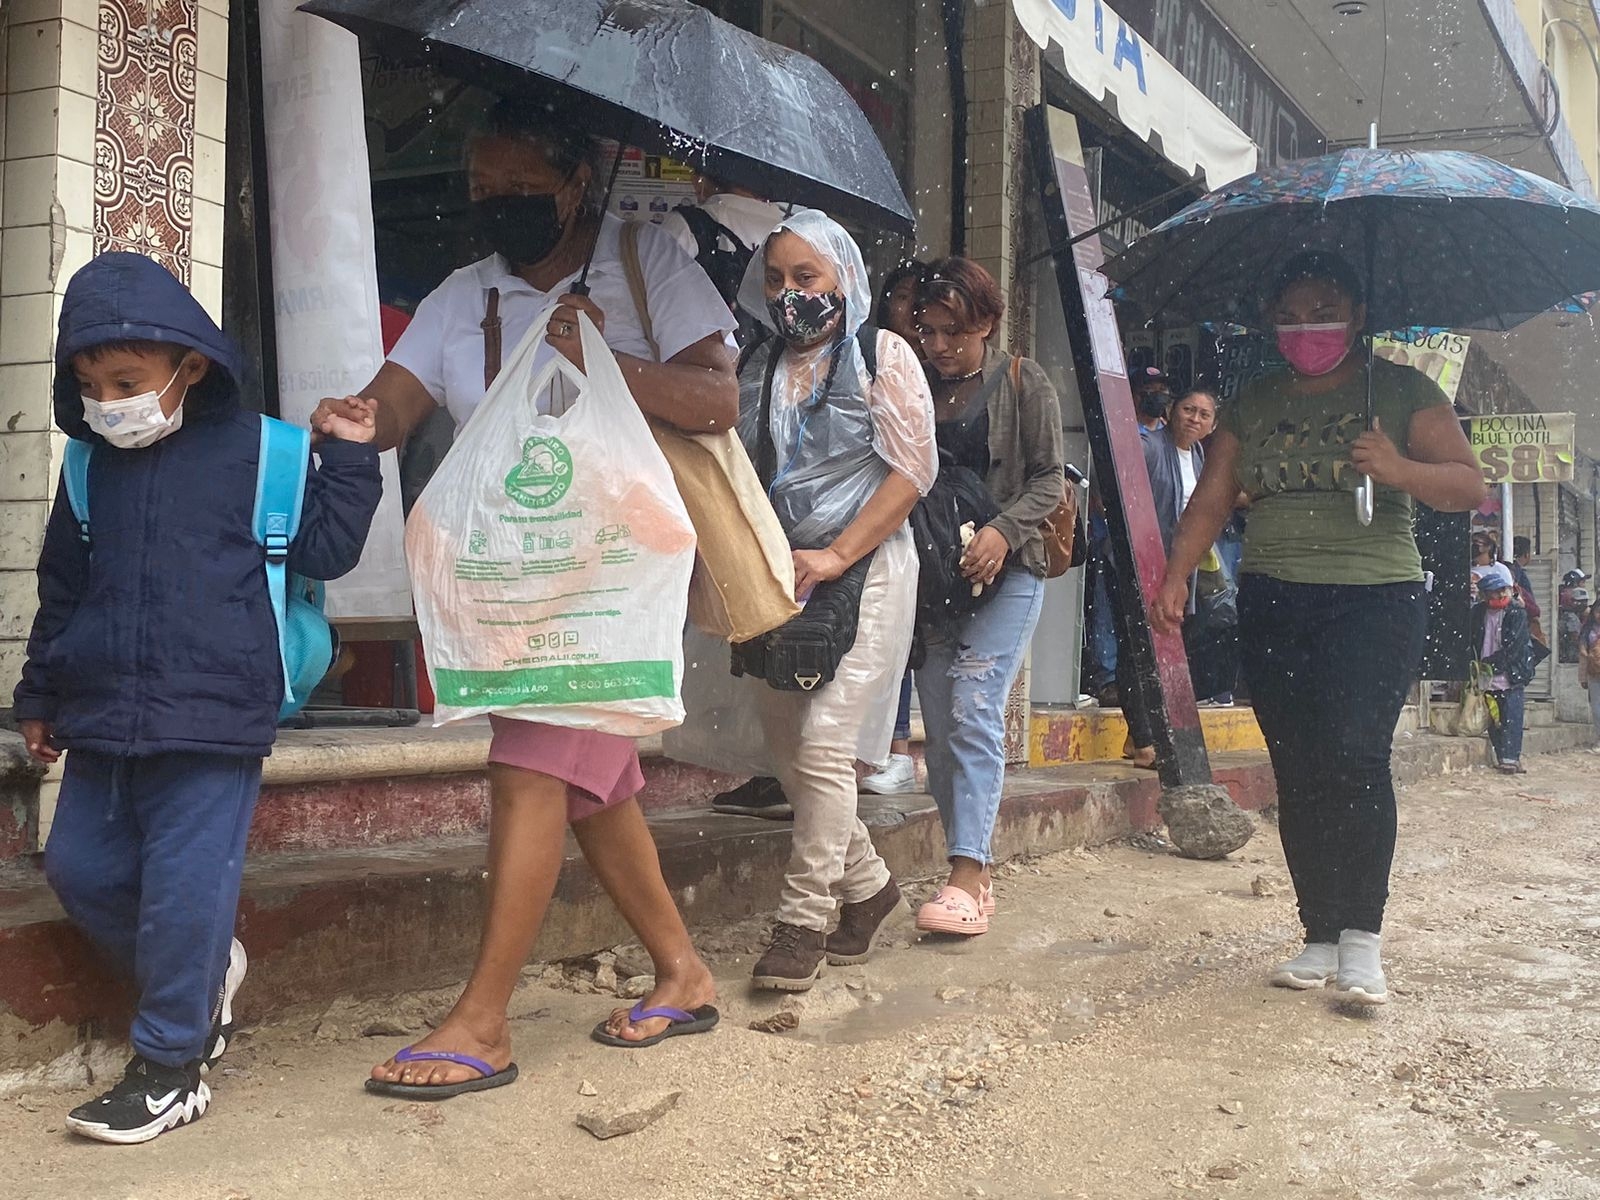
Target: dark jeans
1213 657
1328 666
1505 735
902 717
1128 696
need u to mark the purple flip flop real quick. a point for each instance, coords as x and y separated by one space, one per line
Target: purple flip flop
682 1023
443 1091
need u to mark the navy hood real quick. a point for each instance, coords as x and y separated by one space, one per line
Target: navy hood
127 297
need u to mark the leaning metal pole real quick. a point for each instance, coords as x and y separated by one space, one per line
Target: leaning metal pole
1161 664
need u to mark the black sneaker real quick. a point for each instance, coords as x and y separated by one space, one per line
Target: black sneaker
755 798
150 1100
222 1025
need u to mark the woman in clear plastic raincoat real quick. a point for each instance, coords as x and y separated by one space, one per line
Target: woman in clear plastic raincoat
852 449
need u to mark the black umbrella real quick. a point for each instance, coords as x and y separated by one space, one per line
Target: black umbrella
663 75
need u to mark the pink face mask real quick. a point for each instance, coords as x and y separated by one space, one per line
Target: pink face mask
1314 349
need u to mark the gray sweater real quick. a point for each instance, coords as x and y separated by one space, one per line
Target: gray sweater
1025 456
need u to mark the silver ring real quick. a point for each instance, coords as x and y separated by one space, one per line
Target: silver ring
564 329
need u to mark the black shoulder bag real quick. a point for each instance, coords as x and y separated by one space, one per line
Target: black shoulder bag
959 496
804 653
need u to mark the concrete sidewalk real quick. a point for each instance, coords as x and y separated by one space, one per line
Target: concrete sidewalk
354 923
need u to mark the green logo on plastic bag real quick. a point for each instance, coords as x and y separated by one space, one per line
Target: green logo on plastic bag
543 476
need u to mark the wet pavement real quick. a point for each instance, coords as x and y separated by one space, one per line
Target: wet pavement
1110 1037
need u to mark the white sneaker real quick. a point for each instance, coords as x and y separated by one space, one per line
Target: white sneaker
1313 967
1360 979
222 1025
896 779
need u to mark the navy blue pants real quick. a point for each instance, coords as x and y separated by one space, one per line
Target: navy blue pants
1328 666
902 716
146 856
1506 733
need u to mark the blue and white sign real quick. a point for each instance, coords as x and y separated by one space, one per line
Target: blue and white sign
1104 56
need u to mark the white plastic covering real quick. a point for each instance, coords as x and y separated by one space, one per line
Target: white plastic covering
860 433
723 727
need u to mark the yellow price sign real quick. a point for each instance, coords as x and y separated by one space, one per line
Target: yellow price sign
1524 447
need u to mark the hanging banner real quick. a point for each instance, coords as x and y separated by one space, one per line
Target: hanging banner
1104 56
1438 353
324 269
1189 36
1524 447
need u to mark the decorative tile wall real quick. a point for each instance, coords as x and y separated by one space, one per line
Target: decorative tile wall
144 141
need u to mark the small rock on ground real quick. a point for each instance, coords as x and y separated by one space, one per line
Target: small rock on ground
628 1120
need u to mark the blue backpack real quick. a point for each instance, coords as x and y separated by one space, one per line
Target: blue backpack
306 642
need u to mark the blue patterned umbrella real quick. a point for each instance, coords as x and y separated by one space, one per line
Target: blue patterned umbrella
1443 238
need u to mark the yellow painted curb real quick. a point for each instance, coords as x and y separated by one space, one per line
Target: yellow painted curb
1057 737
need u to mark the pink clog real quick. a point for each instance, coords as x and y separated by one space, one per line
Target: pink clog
952 910
986 903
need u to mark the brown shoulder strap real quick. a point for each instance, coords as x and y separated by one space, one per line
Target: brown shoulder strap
491 338
635 273
1016 372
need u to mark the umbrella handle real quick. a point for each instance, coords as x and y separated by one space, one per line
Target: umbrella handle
1365 495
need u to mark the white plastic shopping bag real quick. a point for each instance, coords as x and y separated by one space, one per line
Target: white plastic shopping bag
550 556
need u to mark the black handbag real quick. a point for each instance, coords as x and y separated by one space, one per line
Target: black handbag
804 653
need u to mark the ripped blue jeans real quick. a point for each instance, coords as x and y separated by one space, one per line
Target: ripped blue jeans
963 687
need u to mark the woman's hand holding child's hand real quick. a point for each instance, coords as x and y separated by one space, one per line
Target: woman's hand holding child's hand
351 419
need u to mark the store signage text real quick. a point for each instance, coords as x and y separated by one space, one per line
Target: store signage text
1126 51
1187 34
1440 354
1524 447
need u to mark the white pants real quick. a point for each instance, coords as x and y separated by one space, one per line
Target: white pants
814 739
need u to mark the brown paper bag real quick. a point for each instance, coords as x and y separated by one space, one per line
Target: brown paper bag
743 581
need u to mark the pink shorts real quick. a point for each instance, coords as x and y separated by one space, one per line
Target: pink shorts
599 769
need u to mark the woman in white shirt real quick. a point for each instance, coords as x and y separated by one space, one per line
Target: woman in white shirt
529 177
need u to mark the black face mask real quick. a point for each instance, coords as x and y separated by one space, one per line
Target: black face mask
523 228
802 318
1154 404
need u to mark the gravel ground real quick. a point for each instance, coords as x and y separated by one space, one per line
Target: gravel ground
1110 1038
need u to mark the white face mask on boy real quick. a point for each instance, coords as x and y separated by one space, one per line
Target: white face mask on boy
135 422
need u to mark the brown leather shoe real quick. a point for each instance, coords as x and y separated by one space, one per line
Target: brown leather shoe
859 923
792 962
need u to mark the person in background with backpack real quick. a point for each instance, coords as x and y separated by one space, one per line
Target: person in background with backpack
1502 640
998 417
836 417
722 231
155 659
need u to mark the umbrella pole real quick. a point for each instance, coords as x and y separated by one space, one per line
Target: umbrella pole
1366 493
581 288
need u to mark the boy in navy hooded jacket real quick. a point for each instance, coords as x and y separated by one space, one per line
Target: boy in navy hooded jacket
154 660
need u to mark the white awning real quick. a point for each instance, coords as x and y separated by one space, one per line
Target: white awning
1106 58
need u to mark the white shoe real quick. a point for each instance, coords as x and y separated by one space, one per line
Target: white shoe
1313 967
1360 978
222 1024
896 779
